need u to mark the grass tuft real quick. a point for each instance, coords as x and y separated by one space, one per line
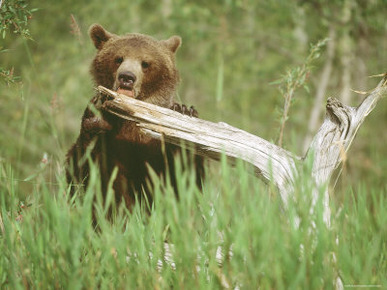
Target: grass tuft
232 235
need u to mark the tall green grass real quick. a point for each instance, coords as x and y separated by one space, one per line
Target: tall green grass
233 234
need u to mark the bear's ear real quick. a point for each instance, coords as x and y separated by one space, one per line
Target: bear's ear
172 43
99 35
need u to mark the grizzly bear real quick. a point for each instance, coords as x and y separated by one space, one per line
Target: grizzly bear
143 68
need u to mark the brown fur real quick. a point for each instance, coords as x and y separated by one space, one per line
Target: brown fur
118 143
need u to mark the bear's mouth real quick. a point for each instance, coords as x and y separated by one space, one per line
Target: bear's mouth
126 92
126 89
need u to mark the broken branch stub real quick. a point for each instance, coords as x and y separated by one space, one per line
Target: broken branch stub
337 132
331 143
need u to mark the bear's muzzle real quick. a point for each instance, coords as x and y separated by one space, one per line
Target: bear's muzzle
126 82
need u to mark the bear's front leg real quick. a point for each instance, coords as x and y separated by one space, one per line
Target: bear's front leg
183 109
93 124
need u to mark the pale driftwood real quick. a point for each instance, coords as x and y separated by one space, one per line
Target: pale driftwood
271 162
207 138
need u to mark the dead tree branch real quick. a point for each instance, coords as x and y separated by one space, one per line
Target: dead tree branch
271 162
206 138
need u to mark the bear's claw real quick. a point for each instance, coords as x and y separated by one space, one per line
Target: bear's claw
191 111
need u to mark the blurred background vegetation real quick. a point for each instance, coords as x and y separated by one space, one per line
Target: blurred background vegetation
232 52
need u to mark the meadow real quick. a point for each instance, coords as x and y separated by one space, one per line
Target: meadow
236 232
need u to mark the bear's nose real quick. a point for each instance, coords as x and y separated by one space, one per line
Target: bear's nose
126 79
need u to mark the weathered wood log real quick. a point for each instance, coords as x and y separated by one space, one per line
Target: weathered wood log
335 136
272 163
206 138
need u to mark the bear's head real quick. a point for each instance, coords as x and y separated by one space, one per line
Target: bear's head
136 65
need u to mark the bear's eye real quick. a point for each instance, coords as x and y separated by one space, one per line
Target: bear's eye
119 60
145 64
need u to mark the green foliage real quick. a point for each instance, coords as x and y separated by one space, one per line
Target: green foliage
7 75
294 79
232 235
14 16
